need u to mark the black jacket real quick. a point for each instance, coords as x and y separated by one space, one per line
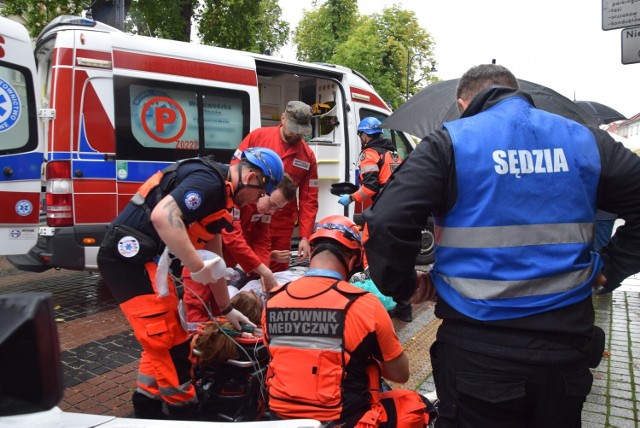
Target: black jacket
425 184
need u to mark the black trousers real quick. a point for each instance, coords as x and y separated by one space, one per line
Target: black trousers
480 391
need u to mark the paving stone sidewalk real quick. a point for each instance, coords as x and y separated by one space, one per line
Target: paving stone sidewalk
614 398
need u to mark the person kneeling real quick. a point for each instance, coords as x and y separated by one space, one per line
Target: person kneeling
323 334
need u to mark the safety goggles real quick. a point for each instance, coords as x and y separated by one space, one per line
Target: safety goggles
261 179
346 231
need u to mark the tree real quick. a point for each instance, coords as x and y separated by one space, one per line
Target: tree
39 13
389 48
249 25
158 18
322 30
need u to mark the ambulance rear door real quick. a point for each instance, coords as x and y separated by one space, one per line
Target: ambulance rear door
21 149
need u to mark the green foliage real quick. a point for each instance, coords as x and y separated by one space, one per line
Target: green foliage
249 25
387 48
39 13
322 30
157 18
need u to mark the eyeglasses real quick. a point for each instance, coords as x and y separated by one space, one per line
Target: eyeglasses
346 231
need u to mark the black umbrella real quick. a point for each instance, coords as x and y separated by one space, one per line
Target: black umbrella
603 113
436 103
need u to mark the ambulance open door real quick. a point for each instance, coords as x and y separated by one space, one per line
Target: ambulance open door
21 150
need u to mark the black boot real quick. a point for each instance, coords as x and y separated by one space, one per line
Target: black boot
145 407
186 412
402 311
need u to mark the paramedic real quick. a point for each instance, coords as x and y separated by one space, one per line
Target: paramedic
248 243
192 192
300 163
378 159
514 190
323 333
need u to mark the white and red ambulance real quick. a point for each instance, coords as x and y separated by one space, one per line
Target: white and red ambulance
114 108
21 148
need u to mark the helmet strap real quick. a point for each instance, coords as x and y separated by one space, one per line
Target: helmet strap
242 185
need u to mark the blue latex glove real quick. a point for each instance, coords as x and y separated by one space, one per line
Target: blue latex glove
345 200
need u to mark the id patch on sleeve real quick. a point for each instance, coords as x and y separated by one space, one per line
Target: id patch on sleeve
192 200
314 183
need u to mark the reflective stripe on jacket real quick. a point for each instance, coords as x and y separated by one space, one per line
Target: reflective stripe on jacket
518 240
306 342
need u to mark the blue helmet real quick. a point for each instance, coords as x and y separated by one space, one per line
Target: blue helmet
269 163
370 125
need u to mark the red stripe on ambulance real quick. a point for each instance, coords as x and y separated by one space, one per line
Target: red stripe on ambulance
157 64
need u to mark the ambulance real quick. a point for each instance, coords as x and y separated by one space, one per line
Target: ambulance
103 110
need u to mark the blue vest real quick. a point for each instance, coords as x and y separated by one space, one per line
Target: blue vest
517 241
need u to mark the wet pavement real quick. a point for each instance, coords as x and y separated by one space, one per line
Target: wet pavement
100 353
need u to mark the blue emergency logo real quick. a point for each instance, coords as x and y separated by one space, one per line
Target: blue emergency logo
10 106
24 207
192 200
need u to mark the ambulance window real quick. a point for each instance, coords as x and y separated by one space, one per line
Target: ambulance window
169 121
399 139
223 121
18 127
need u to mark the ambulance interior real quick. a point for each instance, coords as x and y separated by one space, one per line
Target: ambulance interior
329 138
323 95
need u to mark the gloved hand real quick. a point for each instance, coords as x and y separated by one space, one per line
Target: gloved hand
345 200
213 270
235 317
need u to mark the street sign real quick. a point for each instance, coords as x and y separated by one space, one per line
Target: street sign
620 14
631 45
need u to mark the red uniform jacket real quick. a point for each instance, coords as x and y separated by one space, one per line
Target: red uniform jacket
300 163
249 243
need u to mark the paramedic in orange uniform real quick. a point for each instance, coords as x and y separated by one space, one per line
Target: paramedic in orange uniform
193 192
323 335
247 244
300 163
377 162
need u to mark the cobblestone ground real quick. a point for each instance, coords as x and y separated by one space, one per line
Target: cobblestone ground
100 354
